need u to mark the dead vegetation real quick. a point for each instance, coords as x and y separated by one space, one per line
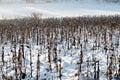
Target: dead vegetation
75 33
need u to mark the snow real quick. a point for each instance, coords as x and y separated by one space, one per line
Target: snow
58 9
69 63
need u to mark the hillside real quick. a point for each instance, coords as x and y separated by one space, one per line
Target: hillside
58 8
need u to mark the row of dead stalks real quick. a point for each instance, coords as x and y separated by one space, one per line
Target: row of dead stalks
72 33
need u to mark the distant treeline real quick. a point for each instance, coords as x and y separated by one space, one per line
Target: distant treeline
48 1
114 1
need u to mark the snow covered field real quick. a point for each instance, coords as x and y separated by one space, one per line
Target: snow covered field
66 49
64 8
78 48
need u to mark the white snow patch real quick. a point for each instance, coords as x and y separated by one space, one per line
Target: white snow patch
59 9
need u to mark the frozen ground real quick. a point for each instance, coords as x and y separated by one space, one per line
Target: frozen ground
69 64
63 8
69 60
